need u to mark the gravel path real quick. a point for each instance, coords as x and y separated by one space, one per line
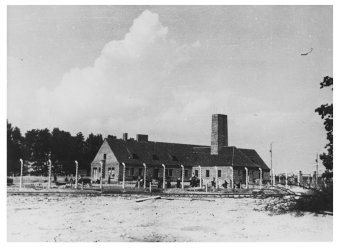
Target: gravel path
51 218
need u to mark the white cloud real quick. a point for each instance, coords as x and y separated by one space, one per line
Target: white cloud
126 83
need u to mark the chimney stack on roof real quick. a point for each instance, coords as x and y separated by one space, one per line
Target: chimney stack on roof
219 133
125 136
141 138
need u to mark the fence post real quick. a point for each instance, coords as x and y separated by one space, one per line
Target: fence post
145 176
216 177
76 173
299 178
200 176
101 175
49 172
21 173
124 175
246 177
232 177
182 176
163 176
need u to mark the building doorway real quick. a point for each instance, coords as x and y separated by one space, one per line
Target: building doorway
95 174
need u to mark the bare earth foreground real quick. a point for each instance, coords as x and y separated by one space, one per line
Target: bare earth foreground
53 218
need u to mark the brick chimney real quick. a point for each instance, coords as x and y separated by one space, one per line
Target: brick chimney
125 136
219 133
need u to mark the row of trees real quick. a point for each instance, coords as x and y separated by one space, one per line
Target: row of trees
37 146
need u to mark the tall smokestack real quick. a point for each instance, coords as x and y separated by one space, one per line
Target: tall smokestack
219 133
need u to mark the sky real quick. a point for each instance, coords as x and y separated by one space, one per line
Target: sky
164 70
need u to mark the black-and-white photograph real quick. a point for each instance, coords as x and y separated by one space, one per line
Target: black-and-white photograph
169 123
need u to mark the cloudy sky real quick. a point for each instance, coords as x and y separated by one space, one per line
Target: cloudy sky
163 70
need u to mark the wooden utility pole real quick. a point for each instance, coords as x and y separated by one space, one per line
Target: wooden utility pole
271 154
271 160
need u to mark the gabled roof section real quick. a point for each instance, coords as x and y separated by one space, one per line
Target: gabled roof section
166 153
174 154
228 156
253 155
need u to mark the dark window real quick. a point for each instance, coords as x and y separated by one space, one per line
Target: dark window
155 157
155 173
104 156
239 172
132 171
140 171
207 173
219 173
169 172
196 172
134 156
185 173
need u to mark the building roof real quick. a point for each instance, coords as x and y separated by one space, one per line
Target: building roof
152 153
253 156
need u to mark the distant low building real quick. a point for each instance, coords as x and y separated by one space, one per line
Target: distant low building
218 161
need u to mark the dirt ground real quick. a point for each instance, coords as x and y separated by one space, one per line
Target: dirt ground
52 218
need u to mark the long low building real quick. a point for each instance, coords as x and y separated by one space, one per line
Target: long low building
218 161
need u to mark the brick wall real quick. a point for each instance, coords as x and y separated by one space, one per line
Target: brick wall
153 172
239 174
224 171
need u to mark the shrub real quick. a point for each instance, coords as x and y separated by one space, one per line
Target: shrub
318 202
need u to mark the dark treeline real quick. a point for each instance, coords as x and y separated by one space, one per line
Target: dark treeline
37 146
